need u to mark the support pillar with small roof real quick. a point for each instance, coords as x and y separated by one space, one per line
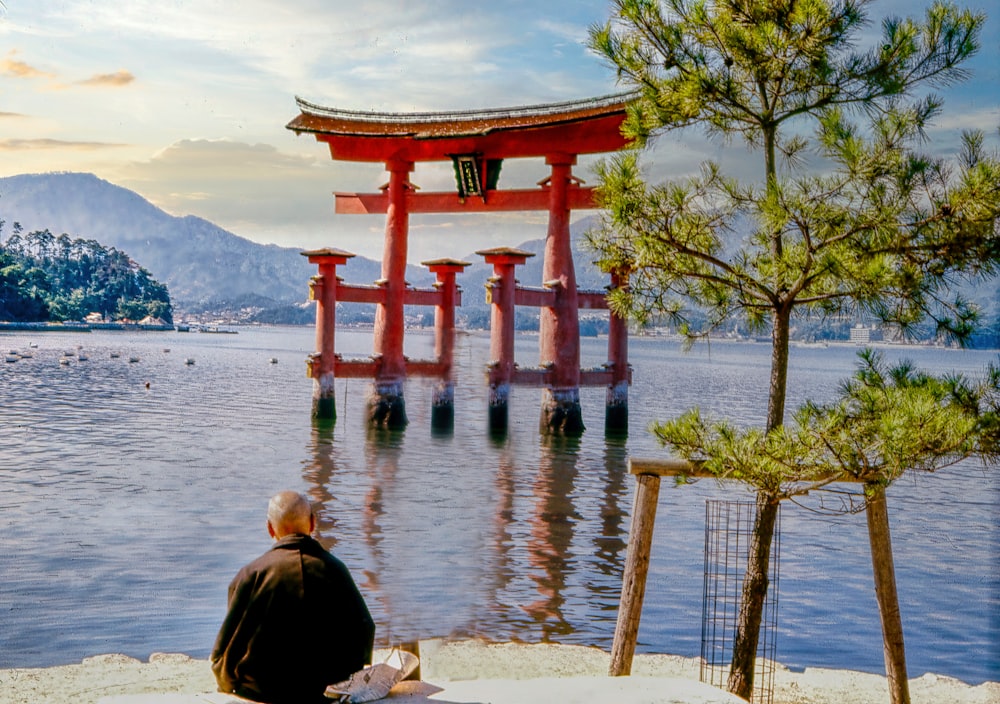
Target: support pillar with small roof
324 366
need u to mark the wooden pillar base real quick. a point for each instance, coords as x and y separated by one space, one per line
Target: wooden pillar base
616 421
616 410
561 412
324 404
386 407
498 416
443 408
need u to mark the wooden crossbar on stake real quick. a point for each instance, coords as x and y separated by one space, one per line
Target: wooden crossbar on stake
640 540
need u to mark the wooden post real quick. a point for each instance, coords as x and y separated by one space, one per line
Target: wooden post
640 541
616 404
322 363
559 325
386 407
412 646
500 292
443 397
884 572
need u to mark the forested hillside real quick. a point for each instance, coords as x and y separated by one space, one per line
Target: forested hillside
48 278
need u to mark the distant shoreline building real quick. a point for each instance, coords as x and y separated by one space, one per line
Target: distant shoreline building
862 334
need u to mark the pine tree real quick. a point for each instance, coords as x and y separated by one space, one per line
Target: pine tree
852 219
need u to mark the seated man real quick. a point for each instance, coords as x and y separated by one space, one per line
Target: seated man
296 621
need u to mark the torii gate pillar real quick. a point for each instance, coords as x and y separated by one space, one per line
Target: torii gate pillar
501 294
322 363
616 400
386 407
559 324
443 398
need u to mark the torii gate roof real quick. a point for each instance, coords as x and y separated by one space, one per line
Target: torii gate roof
589 126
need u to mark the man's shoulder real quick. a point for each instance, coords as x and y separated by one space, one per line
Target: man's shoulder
276 555
288 550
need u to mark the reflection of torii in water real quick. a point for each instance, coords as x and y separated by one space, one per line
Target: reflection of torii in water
319 475
476 142
547 533
549 549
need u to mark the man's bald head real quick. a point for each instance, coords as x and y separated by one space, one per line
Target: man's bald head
289 512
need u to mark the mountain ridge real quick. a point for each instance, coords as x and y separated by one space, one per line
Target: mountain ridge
201 262
198 260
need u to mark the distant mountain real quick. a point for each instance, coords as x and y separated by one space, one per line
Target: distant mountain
197 260
588 277
208 268
202 263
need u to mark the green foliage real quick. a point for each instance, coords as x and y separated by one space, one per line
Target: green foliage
774 461
892 419
883 230
744 67
43 277
887 420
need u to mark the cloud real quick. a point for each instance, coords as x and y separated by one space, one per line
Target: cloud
986 119
19 69
20 145
119 78
253 190
10 114
268 195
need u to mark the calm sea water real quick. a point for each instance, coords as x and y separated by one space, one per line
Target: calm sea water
130 493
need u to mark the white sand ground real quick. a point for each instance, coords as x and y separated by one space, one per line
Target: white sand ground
469 671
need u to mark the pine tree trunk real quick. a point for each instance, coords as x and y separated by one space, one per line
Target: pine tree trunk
755 584
886 595
778 383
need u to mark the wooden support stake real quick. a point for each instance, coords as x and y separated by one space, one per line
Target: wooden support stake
640 541
885 593
412 646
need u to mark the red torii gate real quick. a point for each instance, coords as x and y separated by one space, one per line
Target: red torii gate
476 142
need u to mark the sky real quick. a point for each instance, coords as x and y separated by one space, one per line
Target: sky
186 102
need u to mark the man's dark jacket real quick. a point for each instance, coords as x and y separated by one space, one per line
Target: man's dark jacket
296 623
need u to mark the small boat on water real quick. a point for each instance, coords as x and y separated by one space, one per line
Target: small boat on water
133 360
11 358
189 361
115 355
64 361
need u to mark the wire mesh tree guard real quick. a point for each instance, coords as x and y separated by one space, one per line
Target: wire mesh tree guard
728 533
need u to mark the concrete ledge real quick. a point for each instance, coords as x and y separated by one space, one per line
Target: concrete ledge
545 690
